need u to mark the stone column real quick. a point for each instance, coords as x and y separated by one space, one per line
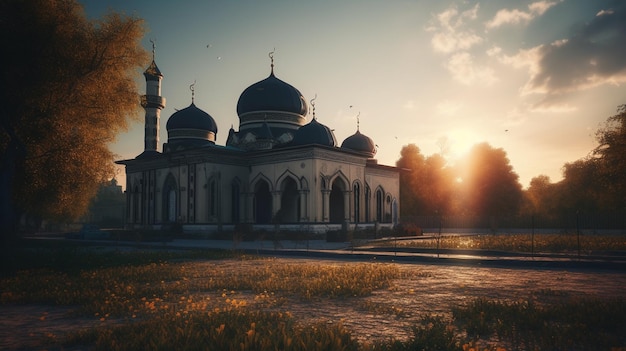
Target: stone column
346 208
325 205
304 206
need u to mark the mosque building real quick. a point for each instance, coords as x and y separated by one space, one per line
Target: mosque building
275 169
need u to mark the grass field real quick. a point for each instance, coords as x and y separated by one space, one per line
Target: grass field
176 300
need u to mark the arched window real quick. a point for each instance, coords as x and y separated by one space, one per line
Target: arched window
170 200
212 196
289 201
337 204
379 205
262 203
356 193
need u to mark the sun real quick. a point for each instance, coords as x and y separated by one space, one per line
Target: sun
459 143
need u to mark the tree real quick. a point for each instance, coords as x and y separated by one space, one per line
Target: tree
611 154
411 164
490 186
426 183
68 90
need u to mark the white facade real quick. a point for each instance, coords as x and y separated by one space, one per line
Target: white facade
260 180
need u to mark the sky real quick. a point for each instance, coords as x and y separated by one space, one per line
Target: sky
535 78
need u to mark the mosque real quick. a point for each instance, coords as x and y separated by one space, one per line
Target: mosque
276 169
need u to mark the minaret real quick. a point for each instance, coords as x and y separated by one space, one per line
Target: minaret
153 103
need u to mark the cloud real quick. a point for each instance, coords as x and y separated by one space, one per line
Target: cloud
463 69
516 16
592 56
450 32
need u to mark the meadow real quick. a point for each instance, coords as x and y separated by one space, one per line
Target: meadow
554 243
202 300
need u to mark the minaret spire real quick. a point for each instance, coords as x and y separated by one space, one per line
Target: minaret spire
271 55
313 106
192 87
152 103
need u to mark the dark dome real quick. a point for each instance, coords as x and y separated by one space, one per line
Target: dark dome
191 118
314 133
361 143
271 94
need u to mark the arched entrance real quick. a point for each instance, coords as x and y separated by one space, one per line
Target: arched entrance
262 203
289 201
337 203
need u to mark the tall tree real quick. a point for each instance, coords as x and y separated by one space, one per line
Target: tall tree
426 183
68 90
611 152
491 187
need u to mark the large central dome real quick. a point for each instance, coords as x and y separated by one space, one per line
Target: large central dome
271 95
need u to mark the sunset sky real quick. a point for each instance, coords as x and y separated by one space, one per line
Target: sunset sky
536 78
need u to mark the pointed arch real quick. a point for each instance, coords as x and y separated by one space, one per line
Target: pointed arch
395 212
261 177
304 183
339 175
213 198
289 201
337 203
287 174
380 204
170 199
262 201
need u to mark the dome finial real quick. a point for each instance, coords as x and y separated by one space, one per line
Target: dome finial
271 55
193 90
153 48
357 121
313 105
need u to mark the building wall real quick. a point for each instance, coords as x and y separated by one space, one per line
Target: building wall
306 185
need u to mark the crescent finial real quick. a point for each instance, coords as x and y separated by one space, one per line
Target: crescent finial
153 48
271 55
192 87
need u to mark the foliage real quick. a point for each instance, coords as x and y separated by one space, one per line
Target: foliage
427 183
69 88
188 304
593 185
544 243
490 186
228 330
572 323
611 152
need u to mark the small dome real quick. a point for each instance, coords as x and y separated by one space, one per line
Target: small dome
191 123
314 133
271 94
361 143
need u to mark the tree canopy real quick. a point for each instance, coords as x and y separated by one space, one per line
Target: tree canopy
490 186
69 87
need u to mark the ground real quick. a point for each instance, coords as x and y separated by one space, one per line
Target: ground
423 289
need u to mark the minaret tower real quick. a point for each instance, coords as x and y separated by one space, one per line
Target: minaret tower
153 103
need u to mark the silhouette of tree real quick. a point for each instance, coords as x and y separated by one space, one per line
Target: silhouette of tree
490 186
68 89
427 183
611 154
